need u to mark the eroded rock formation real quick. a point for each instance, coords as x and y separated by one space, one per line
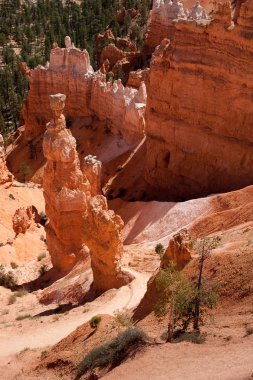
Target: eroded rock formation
24 219
118 105
68 72
199 135
5 175
164 17
179 250
79 220
88 94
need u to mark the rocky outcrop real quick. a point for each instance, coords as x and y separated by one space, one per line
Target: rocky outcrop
203 109
80 223
68 72
136 78
179 250
88 94
5 175
164 17
118 105
24 219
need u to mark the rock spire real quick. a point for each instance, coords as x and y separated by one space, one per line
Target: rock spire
80 224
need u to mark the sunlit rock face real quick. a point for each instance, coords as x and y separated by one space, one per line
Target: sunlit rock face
164 16
120 106
80 224
87 94
179 250
198 124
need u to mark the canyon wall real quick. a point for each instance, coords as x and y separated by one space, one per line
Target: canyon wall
199 109
88 94
164 16
69 72
80 224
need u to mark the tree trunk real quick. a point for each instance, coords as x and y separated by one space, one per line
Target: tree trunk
171 322
197 301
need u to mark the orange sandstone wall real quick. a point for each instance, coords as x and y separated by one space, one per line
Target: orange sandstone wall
200 108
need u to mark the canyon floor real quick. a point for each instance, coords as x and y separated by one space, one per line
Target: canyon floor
30 331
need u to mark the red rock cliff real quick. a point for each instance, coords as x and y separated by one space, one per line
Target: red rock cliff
199 122
69 72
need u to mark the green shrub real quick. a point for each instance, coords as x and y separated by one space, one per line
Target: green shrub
24 316
41 256
14 265
112 353
7 280
21 293
123 318
160 249
177 296
12 299
43 269
193 337
94 322
248 330
43 354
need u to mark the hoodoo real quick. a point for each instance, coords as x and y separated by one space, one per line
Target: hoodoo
80 223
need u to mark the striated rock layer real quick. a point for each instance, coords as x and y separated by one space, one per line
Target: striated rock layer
79 220
165 15
199 135
88 94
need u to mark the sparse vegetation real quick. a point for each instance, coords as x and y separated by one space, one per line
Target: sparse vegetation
25 350
193 337
11 196
112 353
43 269
43 354
123 318
178 297
24 316
159 249
94 322
42 238
248 330
12 299
41 256
7 280
21 292
14 265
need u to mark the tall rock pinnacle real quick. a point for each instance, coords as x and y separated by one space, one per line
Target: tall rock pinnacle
80 223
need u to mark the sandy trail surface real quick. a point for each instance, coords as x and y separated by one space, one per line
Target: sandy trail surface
126 297
187 361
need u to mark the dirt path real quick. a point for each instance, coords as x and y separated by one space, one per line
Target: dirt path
45 335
